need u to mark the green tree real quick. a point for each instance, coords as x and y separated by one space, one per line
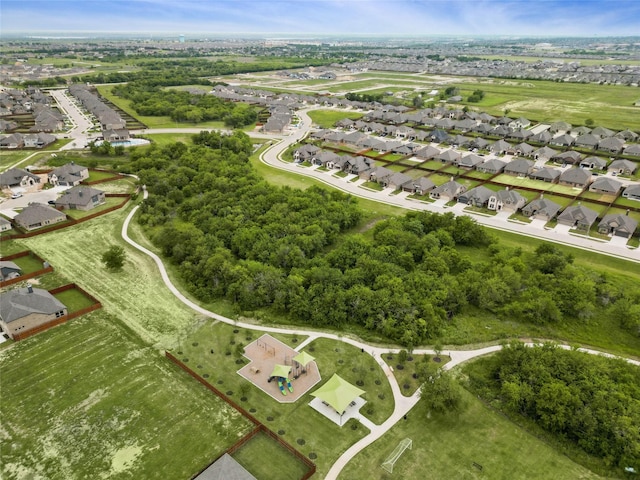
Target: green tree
441 394
589 122
114 258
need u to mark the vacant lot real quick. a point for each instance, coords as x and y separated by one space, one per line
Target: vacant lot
87 399
447 447
136 294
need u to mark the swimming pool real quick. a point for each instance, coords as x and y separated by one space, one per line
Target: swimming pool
132 142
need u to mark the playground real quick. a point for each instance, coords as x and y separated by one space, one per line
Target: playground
273 369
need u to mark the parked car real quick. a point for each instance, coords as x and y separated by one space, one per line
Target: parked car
16 195
51 202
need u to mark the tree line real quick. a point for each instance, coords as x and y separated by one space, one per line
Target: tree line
289 251
589 400
183 106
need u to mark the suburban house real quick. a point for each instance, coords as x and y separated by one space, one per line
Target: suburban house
605 185
562 140
587 141
38 140
618 225
541 208
358 165
491 166
623 167
68 175
500 147
632 150
519 167
81 198
427 152
592 162
506 200
37 215
570 157
18 178
448 191
116 135
560 127
544 153
306 152
542 137
9 270
575 177
611 144
448 156
376 174
602 132
23 309
469 161
396 180
323 158
579 217
419 186
524 149
476 197
545 174
5 224
632 192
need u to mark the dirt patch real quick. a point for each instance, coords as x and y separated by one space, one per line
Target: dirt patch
125 458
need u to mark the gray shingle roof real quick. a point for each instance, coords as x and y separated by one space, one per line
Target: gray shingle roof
225 468
18 303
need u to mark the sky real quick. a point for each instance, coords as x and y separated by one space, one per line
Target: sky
216 18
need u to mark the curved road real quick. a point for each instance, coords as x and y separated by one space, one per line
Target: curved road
402 404
535 229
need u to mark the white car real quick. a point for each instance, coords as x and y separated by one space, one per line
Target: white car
16 195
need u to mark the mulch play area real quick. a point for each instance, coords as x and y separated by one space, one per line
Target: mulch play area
264 354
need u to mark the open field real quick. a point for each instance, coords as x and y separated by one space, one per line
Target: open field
446 446
88 399
136 294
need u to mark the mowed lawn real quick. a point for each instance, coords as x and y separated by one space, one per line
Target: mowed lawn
136 294
88 399
448 446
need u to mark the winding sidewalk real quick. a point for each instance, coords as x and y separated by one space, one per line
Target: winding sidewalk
402 404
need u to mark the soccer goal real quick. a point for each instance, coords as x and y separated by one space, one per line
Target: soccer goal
396 454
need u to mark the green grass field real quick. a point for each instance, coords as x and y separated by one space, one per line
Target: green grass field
136 294
263 457
74 300
88 399
448 446
328 118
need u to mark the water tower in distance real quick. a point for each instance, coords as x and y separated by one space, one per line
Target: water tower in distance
181 38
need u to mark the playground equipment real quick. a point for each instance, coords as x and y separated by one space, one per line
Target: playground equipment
281 387
266 347
396 454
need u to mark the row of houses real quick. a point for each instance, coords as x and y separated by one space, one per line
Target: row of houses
38 215
112 124
68 175
602 140
32 102
473 160
481 196
28 140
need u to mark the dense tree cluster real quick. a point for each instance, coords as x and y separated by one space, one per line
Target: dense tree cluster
590 400
183 106
364 97
239 238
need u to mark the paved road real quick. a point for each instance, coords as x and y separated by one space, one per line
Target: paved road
81 123
402 404
271 157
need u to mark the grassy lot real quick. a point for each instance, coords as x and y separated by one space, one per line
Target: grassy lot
88 399
372 186
136 294
74 300
95 175
328 118
298 421
407 376
79 214
163 139
562 201
263 457
27 263
439 178
123 185
446 446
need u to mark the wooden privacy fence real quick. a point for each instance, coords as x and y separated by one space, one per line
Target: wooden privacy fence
25 276
259 426
69 222
46 326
